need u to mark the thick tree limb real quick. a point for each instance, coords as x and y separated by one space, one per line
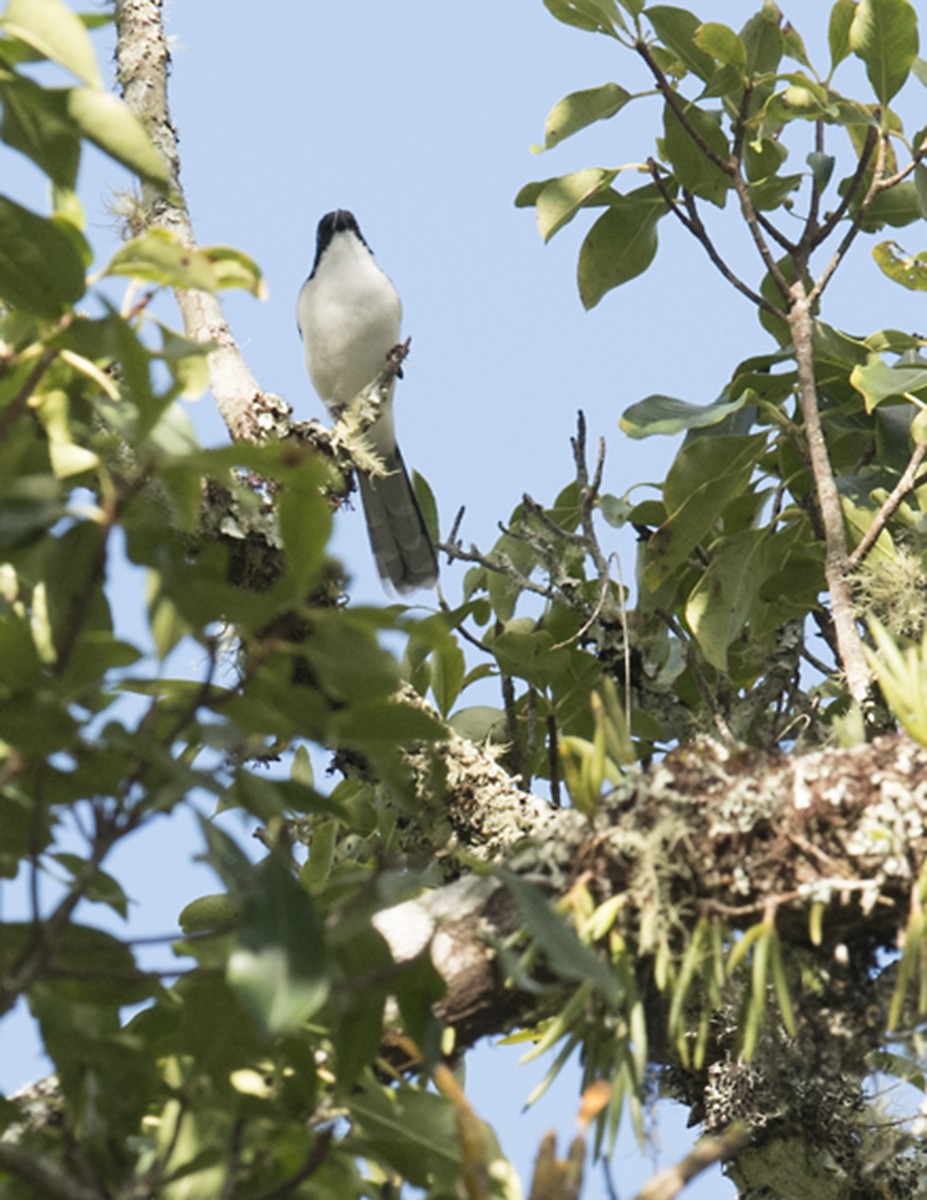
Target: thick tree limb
731 831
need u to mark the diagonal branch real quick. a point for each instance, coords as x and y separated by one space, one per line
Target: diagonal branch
902 488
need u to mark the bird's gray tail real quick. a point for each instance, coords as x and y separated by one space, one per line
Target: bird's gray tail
401 544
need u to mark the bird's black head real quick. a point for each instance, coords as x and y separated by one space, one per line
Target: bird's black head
339 221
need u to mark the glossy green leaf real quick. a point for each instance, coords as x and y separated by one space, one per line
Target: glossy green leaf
676 29
667 415
621 244
579 109
877 381
110 124
561 199
884 35
40 271
279 967
56 32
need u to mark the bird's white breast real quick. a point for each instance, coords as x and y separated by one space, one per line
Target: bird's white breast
349 314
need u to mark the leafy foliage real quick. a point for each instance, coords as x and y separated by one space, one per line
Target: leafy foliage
284 1059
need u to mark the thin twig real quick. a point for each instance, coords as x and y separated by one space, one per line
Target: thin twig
850 236
824 232
671 96
702 234
17 406
902 488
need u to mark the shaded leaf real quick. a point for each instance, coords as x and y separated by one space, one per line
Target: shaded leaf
40 270
568 956
280 965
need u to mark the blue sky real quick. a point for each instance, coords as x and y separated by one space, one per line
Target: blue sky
419 118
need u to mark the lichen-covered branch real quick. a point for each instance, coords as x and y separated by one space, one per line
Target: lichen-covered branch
142 60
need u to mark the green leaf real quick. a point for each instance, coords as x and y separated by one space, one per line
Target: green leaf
822 167
908 270
838 31
280 965
40 270
98 886
415 1132
720 604
448 670
579 109
920 188
721 43
676 29
884 35
56 32
562 198
110 124
706 475
877 381
567 955
159 256
692 168
621 244
36 122
595 16
665 414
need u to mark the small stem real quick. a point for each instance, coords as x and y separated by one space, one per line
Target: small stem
836 562
905 484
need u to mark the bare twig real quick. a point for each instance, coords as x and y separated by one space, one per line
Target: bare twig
669 1183
855 225
671 96
702 234
825 230
849 644
905 484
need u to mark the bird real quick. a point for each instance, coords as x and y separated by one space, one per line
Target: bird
349 316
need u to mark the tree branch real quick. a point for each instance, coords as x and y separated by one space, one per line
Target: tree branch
142 60
905 484
836 562
669 1183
